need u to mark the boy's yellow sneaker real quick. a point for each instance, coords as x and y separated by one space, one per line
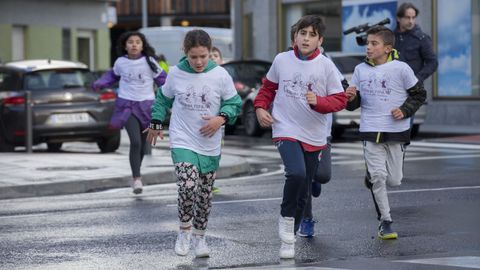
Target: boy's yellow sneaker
215 190
385 231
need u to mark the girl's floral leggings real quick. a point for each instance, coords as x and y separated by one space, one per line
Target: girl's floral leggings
194 196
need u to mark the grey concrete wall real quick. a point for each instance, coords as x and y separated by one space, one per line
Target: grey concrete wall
88 14
264 21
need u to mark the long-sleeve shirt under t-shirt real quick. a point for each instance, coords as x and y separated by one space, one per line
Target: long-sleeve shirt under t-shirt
293 117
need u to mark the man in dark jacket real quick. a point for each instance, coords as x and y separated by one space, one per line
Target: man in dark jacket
414 46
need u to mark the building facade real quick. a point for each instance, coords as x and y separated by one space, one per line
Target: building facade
57 29
261 30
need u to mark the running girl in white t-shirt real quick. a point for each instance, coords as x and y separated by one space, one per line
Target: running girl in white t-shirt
203 98
304 87
388 93
136 71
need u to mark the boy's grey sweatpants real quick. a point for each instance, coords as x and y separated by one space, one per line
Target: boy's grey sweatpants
385 165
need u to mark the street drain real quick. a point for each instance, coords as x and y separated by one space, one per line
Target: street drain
69 168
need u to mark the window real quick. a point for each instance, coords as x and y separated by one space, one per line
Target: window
58 79
458 44
8 81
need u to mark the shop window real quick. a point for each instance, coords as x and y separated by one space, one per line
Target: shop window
457 44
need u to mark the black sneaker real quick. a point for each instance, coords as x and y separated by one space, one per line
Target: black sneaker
316 189
385 231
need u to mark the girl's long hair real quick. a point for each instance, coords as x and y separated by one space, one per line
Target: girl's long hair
148 50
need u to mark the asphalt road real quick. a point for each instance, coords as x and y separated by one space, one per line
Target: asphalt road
436 213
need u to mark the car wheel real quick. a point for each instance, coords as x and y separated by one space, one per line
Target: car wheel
54 147
250 122
109 144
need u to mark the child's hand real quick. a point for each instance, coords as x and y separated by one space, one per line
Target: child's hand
351 92
397 114
152 135
265 119
213 124
311 98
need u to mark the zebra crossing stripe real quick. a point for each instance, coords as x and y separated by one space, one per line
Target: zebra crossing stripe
465 261
447 145
280 267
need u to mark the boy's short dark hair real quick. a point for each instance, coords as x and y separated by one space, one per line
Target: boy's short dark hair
293 31
385 33
311 20
403 8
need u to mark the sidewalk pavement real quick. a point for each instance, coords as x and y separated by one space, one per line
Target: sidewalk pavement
80 167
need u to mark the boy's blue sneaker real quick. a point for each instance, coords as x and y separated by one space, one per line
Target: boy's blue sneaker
307 228
316 189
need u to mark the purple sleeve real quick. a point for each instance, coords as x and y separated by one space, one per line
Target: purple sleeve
107 79
160 79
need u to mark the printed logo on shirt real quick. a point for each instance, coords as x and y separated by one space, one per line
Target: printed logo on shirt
297 88
133 78
194 100
376 85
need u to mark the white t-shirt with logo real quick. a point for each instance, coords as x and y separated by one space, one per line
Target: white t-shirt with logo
196 95
293 116
136 78
383 88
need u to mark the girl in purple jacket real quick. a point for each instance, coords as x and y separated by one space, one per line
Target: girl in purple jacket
136 71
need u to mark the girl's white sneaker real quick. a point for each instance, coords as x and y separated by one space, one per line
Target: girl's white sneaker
182 245
201 247
287 251
137 186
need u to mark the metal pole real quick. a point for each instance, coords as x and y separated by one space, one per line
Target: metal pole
28 122
144 14
148 147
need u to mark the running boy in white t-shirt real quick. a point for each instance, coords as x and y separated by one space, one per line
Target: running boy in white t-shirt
304 86
388 93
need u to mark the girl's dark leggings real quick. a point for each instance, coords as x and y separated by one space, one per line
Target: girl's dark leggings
138 141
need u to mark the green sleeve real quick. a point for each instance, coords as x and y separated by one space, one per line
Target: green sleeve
161 106
231 107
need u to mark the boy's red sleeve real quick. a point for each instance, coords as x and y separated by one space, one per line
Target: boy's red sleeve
331 103
266 94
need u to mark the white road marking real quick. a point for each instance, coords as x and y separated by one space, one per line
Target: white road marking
446 145
465 261
407 159
396 191
290 268
241 201
432 189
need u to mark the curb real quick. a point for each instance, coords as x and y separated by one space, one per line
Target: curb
84 186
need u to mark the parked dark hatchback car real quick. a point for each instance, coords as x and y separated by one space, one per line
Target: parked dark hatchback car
247 76
64 107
